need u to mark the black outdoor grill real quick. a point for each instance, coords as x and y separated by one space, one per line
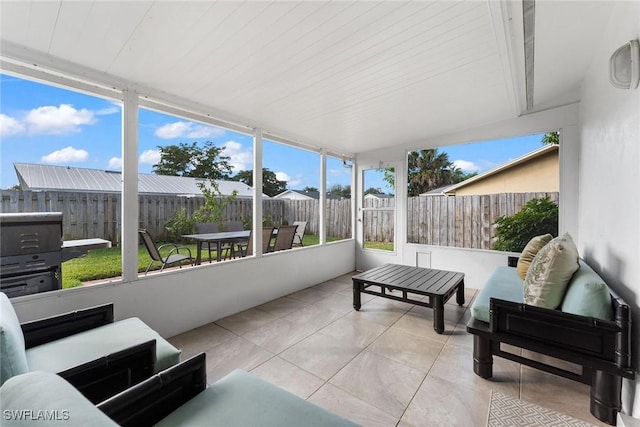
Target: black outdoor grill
32 251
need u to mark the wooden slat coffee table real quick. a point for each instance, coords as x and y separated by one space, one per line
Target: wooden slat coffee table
437 285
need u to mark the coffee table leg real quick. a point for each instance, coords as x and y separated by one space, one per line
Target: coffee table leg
460 294
356 295
438 315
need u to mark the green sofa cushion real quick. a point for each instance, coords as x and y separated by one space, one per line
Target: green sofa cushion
504 283
13 359
45 399
241 399
588 295
65 353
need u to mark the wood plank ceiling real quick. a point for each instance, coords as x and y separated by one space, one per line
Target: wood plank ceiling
349 76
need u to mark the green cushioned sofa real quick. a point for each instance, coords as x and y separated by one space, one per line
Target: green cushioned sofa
177 396
98 356
590 328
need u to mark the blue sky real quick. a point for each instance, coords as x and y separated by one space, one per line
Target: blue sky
49 125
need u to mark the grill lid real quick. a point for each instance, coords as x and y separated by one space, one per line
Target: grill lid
30 233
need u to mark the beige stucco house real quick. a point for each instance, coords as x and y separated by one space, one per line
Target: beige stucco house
536 171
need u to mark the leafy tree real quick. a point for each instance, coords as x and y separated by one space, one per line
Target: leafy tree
537 216
271 185
551 138
429 169
215 204
213 210
340 190
310 189
372 190
193 161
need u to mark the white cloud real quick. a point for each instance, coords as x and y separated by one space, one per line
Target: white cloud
292 182
150 157
109 110
57 120
466 165
66 155
187 130
238 159
10 126
282 176
115 163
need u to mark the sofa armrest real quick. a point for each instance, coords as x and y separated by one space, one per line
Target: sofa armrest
104 377
53 328
153 399
590 342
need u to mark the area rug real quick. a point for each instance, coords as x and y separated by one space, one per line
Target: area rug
505 410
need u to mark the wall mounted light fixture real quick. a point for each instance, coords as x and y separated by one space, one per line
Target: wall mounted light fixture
624 66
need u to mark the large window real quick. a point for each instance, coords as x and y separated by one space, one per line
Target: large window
338 210
291 178
457 193
61 152
195 178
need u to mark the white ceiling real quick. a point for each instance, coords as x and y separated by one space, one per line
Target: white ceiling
348 76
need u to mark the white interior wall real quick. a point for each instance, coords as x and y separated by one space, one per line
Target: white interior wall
177 301
609 204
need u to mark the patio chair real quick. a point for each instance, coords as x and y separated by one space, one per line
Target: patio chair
231 246
206 228
267 232
284 239
297 239
174 255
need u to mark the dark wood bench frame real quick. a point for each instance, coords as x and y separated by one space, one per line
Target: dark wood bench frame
148 402
103 377
602 348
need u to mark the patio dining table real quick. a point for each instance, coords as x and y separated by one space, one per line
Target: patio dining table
218 239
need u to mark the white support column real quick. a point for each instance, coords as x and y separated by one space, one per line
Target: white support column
322 205
257 192
568 215
354 197
129 206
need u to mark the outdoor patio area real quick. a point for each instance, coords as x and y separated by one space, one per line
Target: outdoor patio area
381 366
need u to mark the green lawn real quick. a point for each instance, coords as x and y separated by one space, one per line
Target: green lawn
105 263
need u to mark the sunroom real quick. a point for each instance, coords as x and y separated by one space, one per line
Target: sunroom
362 83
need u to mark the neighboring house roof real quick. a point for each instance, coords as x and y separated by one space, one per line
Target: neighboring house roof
303 195
38 177
511 165
528 157
440 191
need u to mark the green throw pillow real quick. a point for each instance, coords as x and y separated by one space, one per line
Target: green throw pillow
550 272
529 252
588 295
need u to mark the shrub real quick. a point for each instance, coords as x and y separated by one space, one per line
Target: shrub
538 216
179 224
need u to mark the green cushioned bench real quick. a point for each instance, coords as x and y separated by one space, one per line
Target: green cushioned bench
98 356
591 328
177 396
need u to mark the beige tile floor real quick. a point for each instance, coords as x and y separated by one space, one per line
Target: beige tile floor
381 366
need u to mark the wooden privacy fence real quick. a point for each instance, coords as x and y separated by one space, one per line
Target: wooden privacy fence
462 221
88 215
